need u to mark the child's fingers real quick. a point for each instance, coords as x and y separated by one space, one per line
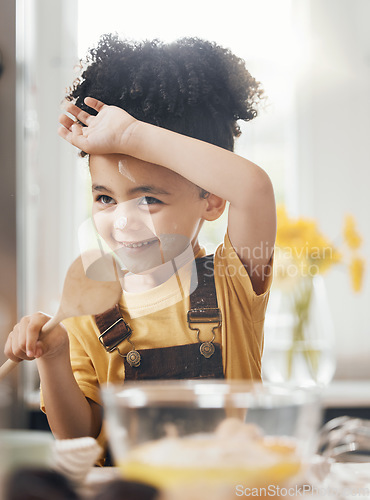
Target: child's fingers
8 349
14 347
19 336
66 121
65 134
39 351
82 116
73 136
22 342
94 103
33 332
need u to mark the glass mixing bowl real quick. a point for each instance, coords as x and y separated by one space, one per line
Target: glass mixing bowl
221 434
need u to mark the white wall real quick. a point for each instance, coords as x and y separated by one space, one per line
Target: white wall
49 186
47 41
333 153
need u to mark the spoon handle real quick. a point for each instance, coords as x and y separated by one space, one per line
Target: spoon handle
6 368
52 323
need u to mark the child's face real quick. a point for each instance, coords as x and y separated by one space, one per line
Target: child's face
146 213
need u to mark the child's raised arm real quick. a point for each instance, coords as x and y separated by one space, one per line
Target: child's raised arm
252 216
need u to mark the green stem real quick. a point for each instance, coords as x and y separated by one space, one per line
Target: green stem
301 310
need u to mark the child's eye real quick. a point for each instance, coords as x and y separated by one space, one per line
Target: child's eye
149 200
105 200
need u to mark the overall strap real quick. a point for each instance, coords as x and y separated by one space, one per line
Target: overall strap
204 296
112 327
203 309
203 304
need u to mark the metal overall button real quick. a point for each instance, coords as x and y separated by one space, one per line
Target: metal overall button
133 357
207 349
205 315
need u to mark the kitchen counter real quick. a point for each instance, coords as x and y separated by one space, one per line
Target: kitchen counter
347 394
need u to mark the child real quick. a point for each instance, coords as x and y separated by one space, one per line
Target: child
158 122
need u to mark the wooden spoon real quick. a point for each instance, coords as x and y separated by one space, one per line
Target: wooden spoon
82 295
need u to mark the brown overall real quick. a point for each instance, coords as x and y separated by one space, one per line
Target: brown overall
190 361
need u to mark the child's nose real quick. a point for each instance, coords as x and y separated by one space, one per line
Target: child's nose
120 223
127 216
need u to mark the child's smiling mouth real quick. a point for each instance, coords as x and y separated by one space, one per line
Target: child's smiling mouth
138 244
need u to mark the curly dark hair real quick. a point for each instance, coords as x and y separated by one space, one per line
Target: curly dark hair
191 86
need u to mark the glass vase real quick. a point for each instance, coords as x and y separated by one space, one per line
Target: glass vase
299 335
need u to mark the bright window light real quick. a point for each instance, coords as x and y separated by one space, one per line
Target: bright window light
261 32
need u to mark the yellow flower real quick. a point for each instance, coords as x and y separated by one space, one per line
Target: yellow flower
357 268
351 236
303 245
304 251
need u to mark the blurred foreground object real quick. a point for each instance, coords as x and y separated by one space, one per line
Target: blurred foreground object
211 435
344 443
38 484
127 490
75 457
24 448
346 439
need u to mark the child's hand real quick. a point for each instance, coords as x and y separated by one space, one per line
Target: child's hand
27 342
104 133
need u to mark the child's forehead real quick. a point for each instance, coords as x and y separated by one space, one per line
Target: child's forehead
126 170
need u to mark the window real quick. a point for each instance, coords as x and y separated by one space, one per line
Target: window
249 33
53 181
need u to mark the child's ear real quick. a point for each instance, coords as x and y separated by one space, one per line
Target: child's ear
214 208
